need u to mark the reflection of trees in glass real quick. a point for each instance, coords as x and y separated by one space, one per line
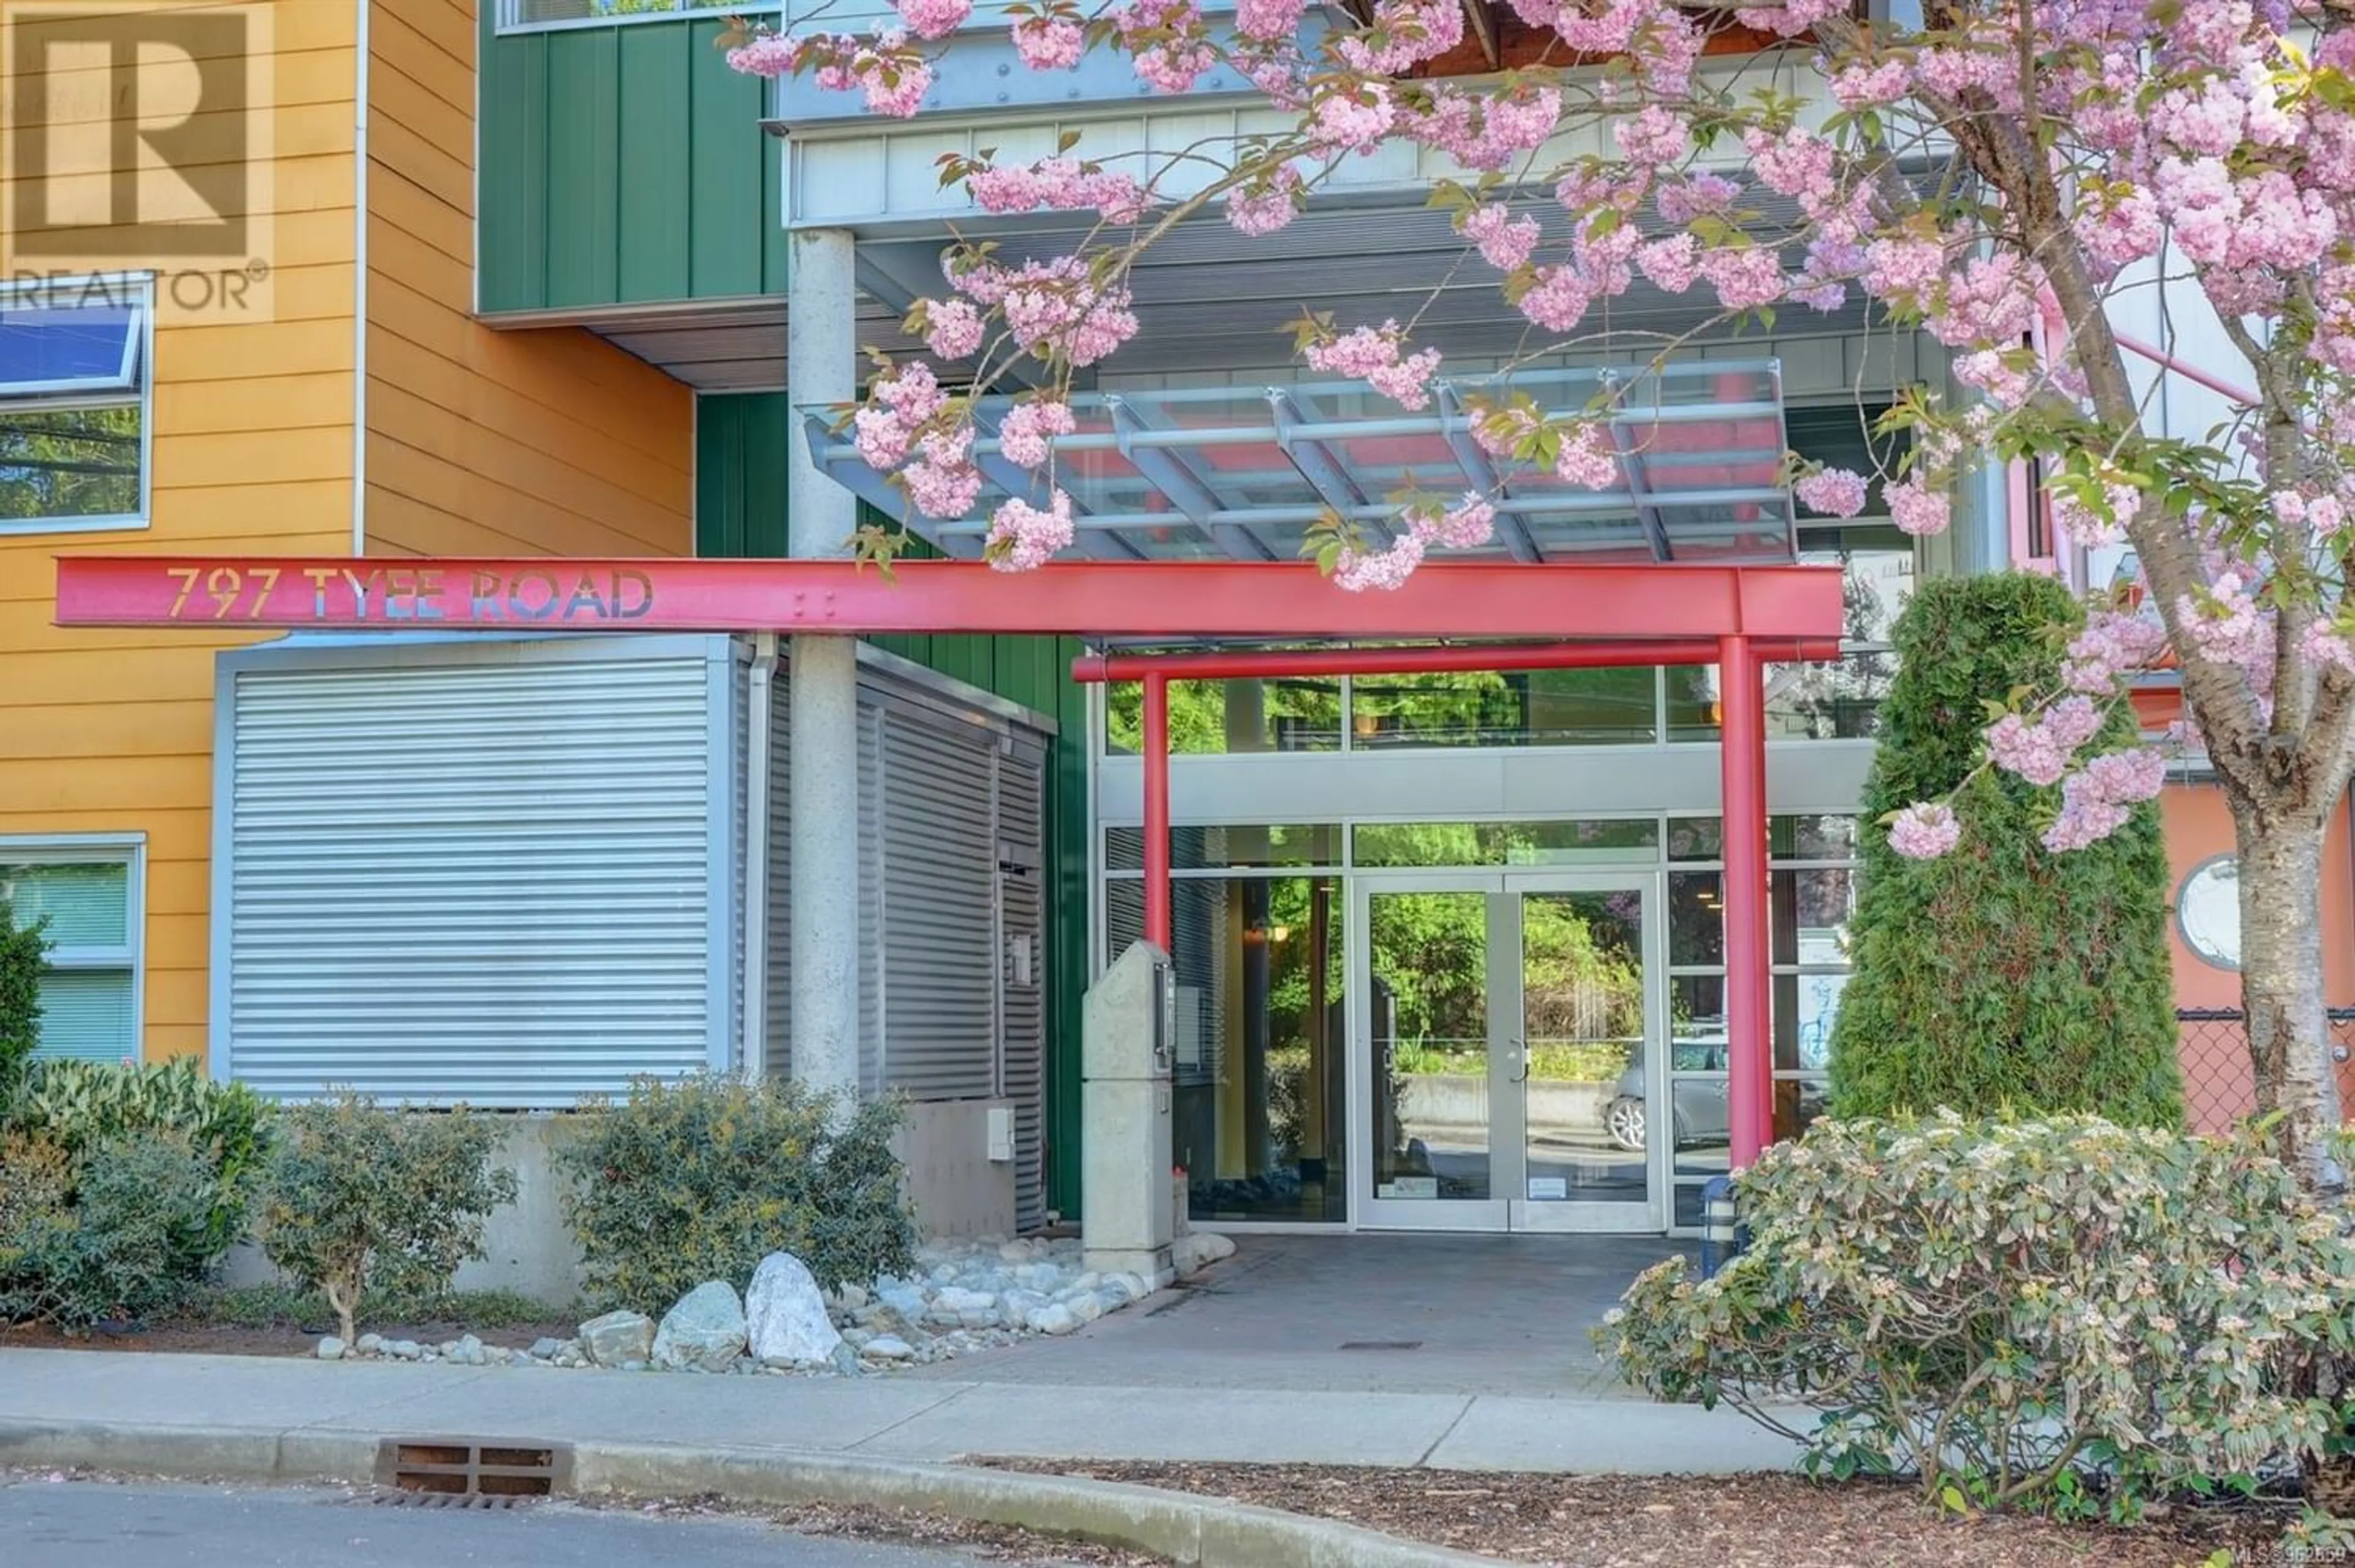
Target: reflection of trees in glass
1831 701
70 463
1302 715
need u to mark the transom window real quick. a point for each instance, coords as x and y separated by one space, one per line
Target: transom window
75 369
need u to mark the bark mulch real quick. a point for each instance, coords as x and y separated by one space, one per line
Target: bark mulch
1734 1521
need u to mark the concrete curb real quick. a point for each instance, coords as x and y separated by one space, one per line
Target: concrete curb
1195 1531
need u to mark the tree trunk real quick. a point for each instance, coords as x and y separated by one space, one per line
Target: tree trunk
2281 986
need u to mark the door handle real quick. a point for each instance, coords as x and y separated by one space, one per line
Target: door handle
1523 1052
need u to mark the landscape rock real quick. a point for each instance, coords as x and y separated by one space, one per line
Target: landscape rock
468 1351
617 1338
1055 1317
369 1344
406 1350
546 1349
845 1360
890 1348
704 1328
784 1314
331 1348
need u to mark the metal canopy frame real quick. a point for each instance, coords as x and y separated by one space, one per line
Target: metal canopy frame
1242 474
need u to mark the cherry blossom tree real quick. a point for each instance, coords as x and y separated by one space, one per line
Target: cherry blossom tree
2002 167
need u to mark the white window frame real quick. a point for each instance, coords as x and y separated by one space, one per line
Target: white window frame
511 17
140 286
128 850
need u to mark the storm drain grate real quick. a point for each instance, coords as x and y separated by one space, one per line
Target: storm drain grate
1381 1345
472 1502
474 1467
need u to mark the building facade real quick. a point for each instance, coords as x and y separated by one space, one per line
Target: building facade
552 285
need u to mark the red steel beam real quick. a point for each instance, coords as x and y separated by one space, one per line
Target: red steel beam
1109 599
1749 994
1617 654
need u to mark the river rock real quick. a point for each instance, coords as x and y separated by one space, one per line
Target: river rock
331 1348
703 1330
784 1313
617 1338
889 1348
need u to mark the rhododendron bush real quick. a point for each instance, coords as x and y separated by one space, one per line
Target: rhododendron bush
1992 179
2061 1314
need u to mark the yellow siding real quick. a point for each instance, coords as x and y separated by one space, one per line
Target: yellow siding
483 443
111 730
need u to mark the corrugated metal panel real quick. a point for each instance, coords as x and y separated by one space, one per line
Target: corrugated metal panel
779 1049
940 902
872 822
1021 823
478 881
740 791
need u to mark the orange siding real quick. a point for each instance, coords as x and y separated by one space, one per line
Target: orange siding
111 730
2217 1084
483 443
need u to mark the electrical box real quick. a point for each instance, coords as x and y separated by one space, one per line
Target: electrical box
1001 1135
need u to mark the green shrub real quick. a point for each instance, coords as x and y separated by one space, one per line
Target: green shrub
358 1194
136 1237
2064 1314
24 957
702 1177
2000 978
80 1104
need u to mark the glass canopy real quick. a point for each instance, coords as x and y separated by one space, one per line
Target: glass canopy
1242 474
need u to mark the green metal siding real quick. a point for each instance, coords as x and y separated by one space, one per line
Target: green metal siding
624 165
739 511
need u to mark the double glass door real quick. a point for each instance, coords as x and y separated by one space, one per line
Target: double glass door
1507 1033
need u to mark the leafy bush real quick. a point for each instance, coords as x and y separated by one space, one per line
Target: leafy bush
136 1237
2000 978
2062 1314
24 955
700 1178
356 1195
78 1105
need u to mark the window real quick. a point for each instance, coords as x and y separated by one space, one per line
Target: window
74 374
89 892
524 14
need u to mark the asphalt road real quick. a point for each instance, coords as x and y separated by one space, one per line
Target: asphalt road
76 1524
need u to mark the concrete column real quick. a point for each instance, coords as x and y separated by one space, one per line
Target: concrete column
821 370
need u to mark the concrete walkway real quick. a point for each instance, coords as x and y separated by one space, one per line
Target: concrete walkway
886 1416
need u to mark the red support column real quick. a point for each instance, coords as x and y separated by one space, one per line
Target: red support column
1158 923
1749 996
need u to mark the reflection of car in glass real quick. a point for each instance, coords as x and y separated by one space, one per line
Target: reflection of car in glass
1698 1105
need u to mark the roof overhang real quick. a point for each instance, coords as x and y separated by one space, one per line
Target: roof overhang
1242 474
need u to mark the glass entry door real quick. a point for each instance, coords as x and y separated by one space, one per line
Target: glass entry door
1502 1022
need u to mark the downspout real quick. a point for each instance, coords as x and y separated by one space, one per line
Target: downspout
359 281
752 1048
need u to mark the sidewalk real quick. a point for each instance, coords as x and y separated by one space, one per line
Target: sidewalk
894 1417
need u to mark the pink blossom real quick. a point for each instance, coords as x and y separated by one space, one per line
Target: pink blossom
1864 84
1054 309
1358 571
2099 799
1356 116
1049 43
943 481
1790 17
1023 433
933 18
1022 536
768 55
1917 509
1269 20
2324 644
1506 241
1588 458
893 77
953 328
1468 525
2226 625
1372 354
1702 193
1558 300
1653 136
1925 832
1671 263
1263 206
1746 278
1834 492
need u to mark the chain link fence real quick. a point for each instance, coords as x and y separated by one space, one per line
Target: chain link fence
2219 1086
